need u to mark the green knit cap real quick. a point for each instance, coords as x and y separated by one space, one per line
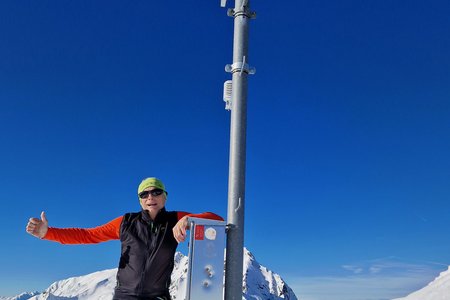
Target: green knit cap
151 182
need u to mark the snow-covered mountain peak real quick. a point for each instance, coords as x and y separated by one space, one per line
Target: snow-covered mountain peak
261 283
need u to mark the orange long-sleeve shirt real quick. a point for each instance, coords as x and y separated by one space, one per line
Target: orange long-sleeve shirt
106 232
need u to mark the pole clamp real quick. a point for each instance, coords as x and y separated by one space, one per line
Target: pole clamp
231 12
242 11
240 66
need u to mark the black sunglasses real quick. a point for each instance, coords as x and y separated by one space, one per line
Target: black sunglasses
155 192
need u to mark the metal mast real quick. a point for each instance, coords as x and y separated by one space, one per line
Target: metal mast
237 103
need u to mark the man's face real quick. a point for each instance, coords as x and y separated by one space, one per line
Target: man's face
153 200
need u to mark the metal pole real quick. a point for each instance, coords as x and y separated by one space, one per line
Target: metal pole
238 128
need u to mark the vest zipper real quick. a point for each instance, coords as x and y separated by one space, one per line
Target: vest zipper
140 287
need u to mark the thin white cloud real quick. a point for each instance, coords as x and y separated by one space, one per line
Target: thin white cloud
392 265
354 269
375 269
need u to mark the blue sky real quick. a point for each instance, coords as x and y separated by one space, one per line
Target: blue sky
347 191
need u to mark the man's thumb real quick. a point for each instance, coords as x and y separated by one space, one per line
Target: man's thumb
43 217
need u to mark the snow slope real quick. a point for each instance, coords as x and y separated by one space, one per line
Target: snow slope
259 284
438 289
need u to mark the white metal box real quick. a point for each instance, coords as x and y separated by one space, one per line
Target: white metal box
206 268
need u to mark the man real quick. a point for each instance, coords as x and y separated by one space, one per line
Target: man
149 239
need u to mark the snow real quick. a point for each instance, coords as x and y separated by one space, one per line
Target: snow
259 283
98 285
179 274
262 284
438 289
23 296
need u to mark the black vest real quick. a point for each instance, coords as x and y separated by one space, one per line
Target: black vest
147 257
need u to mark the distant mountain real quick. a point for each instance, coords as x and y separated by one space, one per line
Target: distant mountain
23 296
262 284
259 284
438 289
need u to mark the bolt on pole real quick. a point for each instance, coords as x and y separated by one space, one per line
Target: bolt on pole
236 179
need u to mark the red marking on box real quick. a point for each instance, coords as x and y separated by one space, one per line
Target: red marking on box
200 232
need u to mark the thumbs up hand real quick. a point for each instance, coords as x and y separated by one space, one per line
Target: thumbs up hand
38 227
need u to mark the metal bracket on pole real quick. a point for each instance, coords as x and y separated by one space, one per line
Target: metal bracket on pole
228 85
242 12
240 67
